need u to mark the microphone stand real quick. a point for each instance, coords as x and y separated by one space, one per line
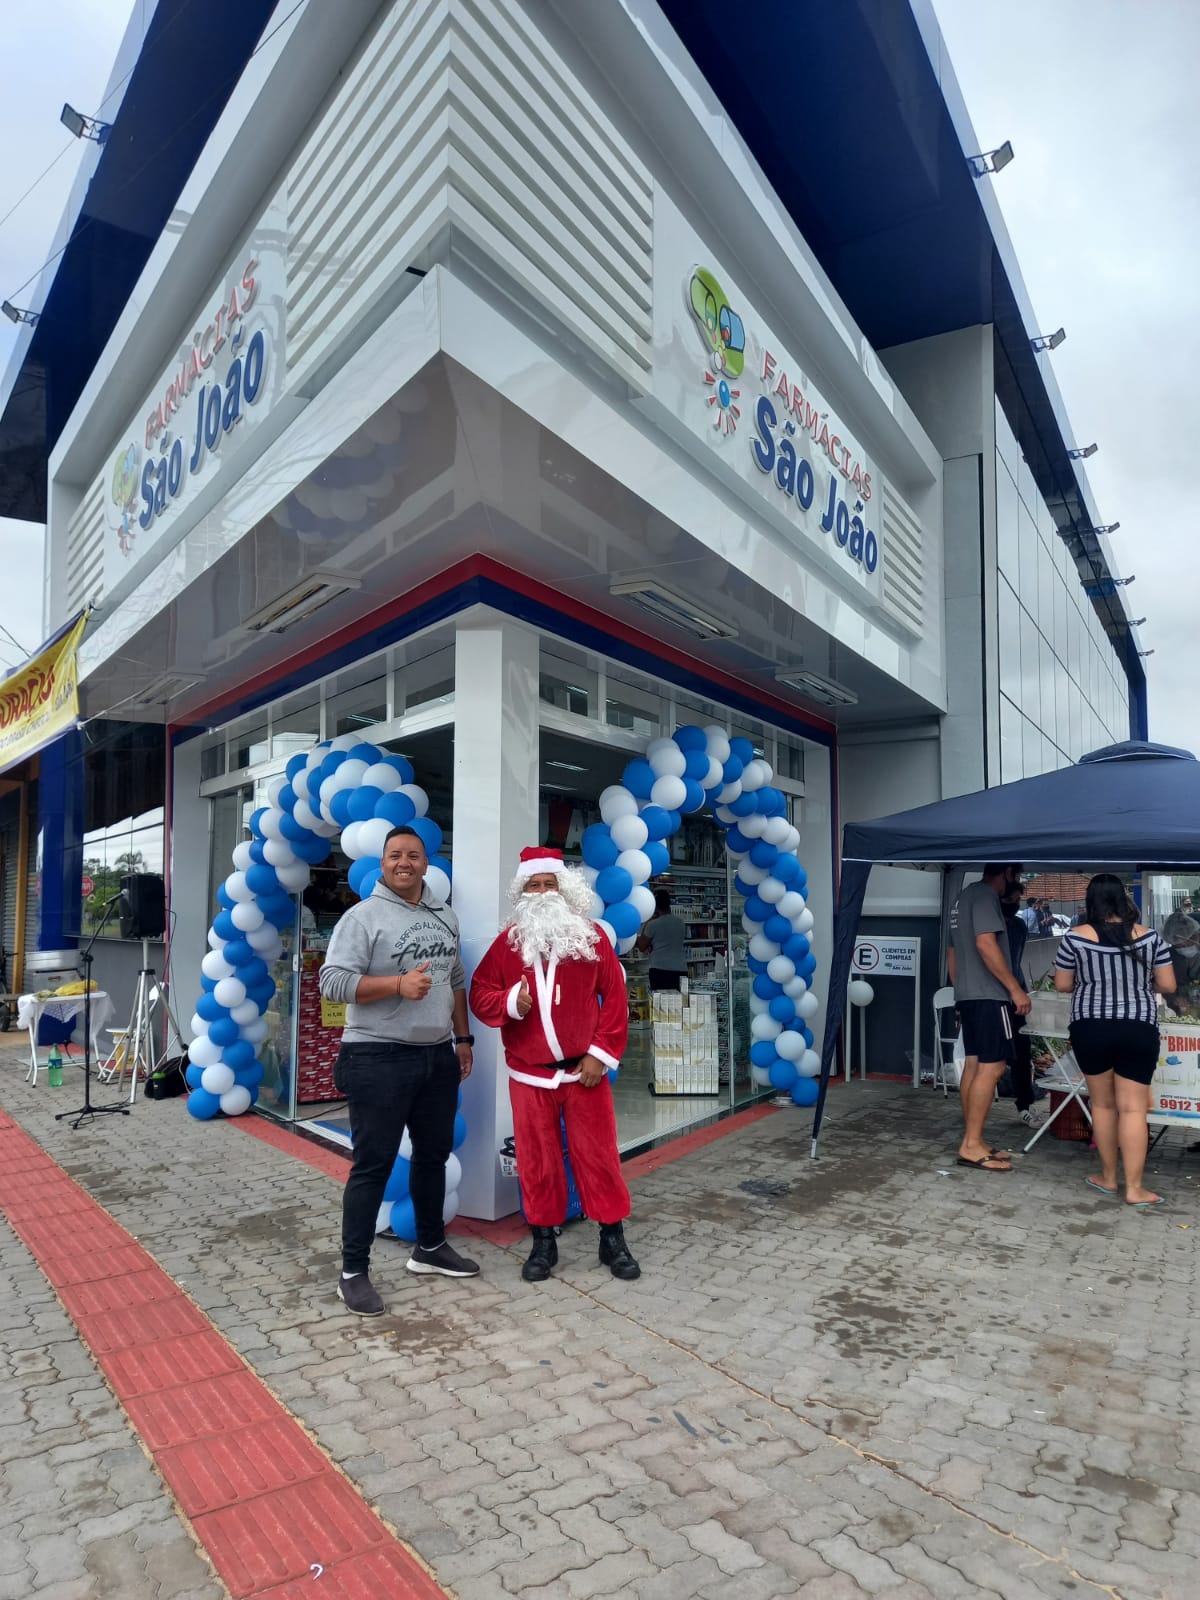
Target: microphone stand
87 1110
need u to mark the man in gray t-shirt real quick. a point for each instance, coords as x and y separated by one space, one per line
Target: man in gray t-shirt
665 937
989 999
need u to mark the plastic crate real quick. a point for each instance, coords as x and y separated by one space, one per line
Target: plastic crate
1072 1126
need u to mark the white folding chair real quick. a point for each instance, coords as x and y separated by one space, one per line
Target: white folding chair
943 1067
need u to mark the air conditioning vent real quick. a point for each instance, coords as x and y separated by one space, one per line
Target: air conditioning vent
825 691
166 687
676 609
299 602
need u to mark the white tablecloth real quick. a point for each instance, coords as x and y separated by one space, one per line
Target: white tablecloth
66 1008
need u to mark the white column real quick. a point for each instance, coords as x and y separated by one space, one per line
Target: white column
188 896
495 816
816 847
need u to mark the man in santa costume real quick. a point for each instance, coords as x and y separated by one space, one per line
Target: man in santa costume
552 984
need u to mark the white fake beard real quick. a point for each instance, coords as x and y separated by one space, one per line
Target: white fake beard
544 927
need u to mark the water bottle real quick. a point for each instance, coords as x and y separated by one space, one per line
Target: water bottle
54 1068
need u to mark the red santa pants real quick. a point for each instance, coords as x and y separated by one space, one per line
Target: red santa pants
591 1125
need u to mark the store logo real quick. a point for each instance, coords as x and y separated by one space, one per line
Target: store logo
724 335
125 494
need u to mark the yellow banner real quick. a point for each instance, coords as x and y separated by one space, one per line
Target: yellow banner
40 700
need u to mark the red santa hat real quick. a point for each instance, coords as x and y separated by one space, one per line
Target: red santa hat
539 858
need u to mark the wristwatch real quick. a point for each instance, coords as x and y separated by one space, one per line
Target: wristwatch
465 1038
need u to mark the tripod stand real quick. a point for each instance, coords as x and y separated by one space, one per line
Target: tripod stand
87 1110
135 1049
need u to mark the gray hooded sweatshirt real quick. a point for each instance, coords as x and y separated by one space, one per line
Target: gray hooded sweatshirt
383 936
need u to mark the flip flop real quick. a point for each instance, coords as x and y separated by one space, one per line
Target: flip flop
1144 1205
1092 1184
981 1166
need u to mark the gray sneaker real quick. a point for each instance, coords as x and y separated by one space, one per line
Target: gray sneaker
444 1260
358 1294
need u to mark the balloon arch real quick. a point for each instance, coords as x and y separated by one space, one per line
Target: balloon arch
349 787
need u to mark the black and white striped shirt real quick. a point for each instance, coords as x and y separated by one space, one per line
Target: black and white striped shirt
1113 981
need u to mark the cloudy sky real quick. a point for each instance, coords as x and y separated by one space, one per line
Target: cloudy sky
1102 204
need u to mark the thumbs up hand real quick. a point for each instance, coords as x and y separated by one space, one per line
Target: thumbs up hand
415 985
524 998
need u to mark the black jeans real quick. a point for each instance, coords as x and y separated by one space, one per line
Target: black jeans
388 1087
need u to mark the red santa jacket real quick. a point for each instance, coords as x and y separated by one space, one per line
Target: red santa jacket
579 1008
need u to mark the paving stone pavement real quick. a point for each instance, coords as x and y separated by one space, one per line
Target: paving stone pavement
872 1374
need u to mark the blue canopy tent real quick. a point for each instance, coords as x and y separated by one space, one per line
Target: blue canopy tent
1133 806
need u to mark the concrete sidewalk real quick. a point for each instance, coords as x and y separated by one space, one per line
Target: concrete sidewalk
872 1374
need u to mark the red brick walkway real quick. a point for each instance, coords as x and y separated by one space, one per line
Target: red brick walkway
263 1500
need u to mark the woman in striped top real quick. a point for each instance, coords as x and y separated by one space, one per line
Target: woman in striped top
1114 967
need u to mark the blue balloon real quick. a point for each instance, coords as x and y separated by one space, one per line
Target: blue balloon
263 879
782 1008
207 985
658 856
250 1077
695 797
460 1131
401 765
262 994
766 988
783 1075
361 802
294 831
800 881
771 803
733 769
807 1035
209 1007
279 909
396 809
312 849
746 890
295 766
778 928
192 1075
690 737
676 821
697 765
359 870
742 749
763 854
614 885
258 851
658 823
762 1052
599 850
237 951
429 833
638 778
396 1187
744 806
333 761
804 1092
253 972
755 965
403 1220
738 842
238 1055
624 918
758 910
786 868
202 1105
365 752
225 927
339 806
368 881
224 1031
806 968
287 798
255 823
224 898
796 947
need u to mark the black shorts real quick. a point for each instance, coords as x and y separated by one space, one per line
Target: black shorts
987 1029
661 978
1130 1049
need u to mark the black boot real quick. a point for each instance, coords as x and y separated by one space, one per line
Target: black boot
614 1252
542 1257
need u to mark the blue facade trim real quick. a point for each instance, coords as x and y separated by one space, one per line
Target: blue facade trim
60 818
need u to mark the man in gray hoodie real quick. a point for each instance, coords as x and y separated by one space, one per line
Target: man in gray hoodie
393 960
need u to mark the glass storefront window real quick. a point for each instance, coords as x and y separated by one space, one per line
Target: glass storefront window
296 724
567 687
426 683
248 747
134 845
212 758
632 709
359 701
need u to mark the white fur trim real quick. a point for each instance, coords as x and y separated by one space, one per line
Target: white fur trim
527 869
510 1004
603 1055
543 977
543 1083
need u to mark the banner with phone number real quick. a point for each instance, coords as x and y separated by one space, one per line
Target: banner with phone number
1175 1091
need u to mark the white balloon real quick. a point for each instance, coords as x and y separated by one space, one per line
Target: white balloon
247 916
749 873
754 775
669 791
215 941
269 823
663 742
781 968
772 891
791 905
716 742
279 853
795 987
324 794
202 1052
261 938
803 921
197 1025
807 1006
860 992
790 1045
350 774
418 797
350 836
607 929
624 946
749 926
668 760
236 1100
762 1077
616 801
758 1006
237 888
765 1027
305 815
730 792
381 776
595 908
406 1149
453 1173
274 789
753 826
372 836
437 883
629 832
249 1011
763 949
344 741
590 875
217 1078
714 778
777 831
637 864
809 1064
383 1219
230 992
792 842
450 1208
215 966
643 899
723 814
296 878
242 859
255 1032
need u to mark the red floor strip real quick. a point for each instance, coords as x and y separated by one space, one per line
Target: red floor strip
263 1499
